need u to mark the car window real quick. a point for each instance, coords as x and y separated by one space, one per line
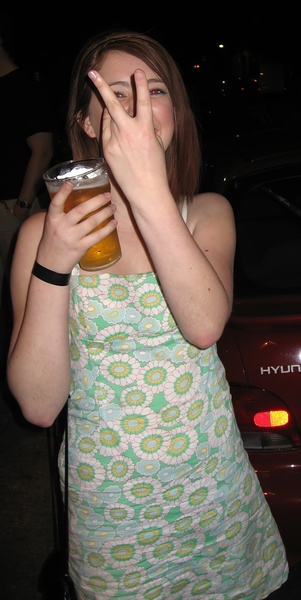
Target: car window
268 222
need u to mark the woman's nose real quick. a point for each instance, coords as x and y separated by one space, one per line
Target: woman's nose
130 107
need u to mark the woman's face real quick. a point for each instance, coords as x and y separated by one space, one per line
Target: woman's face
117 70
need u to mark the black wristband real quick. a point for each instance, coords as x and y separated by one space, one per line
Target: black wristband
50 276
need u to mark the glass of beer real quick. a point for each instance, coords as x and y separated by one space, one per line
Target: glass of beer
89 177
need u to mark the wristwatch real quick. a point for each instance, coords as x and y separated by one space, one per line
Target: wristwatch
23 204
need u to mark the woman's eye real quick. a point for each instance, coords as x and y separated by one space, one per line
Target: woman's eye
157 92
118 94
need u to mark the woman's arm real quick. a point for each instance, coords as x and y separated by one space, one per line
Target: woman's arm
195 264
38 369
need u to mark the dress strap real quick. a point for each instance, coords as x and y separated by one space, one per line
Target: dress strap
184 210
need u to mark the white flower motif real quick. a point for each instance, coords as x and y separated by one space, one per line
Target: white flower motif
120 554
117 294
150 300
142 490
181 384
171 416
135 421
176 494
121 369
251 545
236 527
206 586
109 439
91 307
183 524
182 445
161 551
118 513
154 376
132 579
88 473
188 545
151 444
195 410
103 393
169 324
152 340
120 469
95 350
226 471
199 494
154 515
118 334
134 397
90 285
78 356
85 446
104 586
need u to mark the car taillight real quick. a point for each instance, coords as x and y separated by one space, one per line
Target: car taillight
271 418
265 422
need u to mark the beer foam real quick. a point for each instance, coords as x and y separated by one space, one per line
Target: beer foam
76 171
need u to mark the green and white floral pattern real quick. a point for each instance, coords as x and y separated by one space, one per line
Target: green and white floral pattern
164 504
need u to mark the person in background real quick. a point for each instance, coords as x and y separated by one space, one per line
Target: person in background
26 150
163 500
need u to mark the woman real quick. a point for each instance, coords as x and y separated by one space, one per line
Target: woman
163 500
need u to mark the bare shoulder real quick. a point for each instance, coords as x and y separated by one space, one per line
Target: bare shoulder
209 203
28 239
207 207
34 224
31 230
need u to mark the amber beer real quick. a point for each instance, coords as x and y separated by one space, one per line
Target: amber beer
89 178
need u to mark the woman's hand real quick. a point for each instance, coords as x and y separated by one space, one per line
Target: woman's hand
132 149
67 236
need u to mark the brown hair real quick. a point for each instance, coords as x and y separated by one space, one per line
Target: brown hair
183 156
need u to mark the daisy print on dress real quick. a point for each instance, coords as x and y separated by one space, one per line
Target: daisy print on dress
109 440
121 369
150 300
154 375
119 338
134 396
120 469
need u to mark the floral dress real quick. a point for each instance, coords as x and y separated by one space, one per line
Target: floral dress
163 501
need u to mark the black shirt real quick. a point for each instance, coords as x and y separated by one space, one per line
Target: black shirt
25 109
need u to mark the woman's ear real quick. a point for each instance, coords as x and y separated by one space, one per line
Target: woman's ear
88 128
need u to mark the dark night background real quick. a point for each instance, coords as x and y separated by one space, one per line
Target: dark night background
47 40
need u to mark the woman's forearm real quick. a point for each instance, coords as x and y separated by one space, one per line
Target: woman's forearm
38 369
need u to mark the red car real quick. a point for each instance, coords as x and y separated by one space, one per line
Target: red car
260 174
